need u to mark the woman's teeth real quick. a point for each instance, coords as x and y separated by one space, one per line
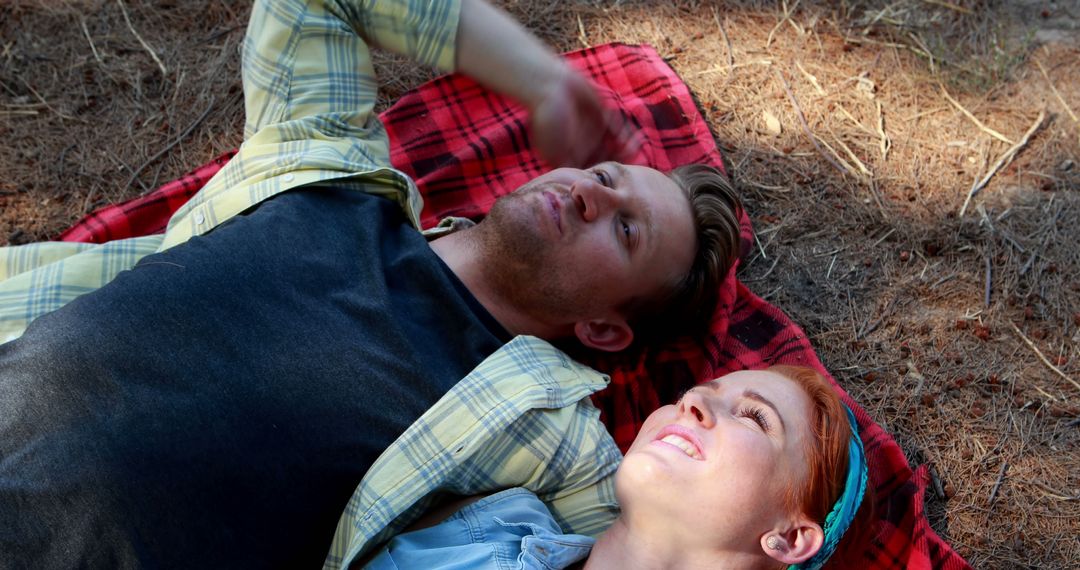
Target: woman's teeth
681 443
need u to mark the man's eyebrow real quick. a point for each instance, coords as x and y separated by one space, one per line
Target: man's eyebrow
620 169
757 397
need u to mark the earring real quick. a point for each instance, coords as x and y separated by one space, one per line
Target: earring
773 543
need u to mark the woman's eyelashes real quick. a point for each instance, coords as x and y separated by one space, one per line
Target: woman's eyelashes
603 178
757 415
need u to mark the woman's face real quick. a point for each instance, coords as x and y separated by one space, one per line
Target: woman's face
717 466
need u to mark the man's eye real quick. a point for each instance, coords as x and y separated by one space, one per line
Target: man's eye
603 178
626 230
757 415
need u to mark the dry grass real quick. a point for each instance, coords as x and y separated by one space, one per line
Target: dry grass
856 211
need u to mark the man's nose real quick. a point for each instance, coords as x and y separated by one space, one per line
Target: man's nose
696 406
592 198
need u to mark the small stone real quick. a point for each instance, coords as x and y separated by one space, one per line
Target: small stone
927 400
870 377
961 324
983 332
905 255
950 491
1066 165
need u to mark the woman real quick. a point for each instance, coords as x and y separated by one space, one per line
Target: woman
757 469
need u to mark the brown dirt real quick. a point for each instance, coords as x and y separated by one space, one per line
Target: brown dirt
877 265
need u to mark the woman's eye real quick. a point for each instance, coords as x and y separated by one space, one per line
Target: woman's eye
603 178
757 415
626 230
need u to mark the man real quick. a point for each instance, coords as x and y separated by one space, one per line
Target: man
216 405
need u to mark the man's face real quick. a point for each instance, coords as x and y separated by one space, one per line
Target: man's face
574 245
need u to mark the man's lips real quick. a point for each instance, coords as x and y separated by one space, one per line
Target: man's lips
555 209
682 439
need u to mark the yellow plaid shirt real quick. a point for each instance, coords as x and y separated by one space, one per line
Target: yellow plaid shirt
521 418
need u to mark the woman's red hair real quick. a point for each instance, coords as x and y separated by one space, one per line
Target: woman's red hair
826 455
826 451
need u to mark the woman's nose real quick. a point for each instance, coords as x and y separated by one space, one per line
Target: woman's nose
696 406
592 198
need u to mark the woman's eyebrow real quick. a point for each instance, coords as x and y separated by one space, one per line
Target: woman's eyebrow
757 397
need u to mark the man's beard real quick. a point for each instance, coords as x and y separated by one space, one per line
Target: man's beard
522 266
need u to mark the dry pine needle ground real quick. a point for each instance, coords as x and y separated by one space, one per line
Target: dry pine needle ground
856 132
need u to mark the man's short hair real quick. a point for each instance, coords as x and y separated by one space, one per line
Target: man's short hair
688 305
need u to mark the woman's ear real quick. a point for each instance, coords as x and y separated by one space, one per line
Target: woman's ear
796 543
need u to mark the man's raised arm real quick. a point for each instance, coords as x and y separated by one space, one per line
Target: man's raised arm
290 72
570 125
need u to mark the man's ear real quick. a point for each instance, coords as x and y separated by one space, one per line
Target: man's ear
610 335
794 544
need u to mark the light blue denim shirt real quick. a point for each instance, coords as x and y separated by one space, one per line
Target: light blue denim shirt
508 530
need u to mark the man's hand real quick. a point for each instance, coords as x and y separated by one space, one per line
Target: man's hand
570 124
572 127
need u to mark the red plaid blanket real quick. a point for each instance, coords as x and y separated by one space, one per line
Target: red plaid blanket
465 147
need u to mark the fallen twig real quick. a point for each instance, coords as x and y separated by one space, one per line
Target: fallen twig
852 118
810 77
723 33
1054 493
1039 353
975 119
765 62
885 142
938 488
766 274
1005 159
986 293
882 238
160 153
802 121
1058 95
997 485
86 33
954 7
787 15
851 155
142 42
59 113
581 32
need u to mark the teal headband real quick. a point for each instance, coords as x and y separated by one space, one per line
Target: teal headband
843 512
